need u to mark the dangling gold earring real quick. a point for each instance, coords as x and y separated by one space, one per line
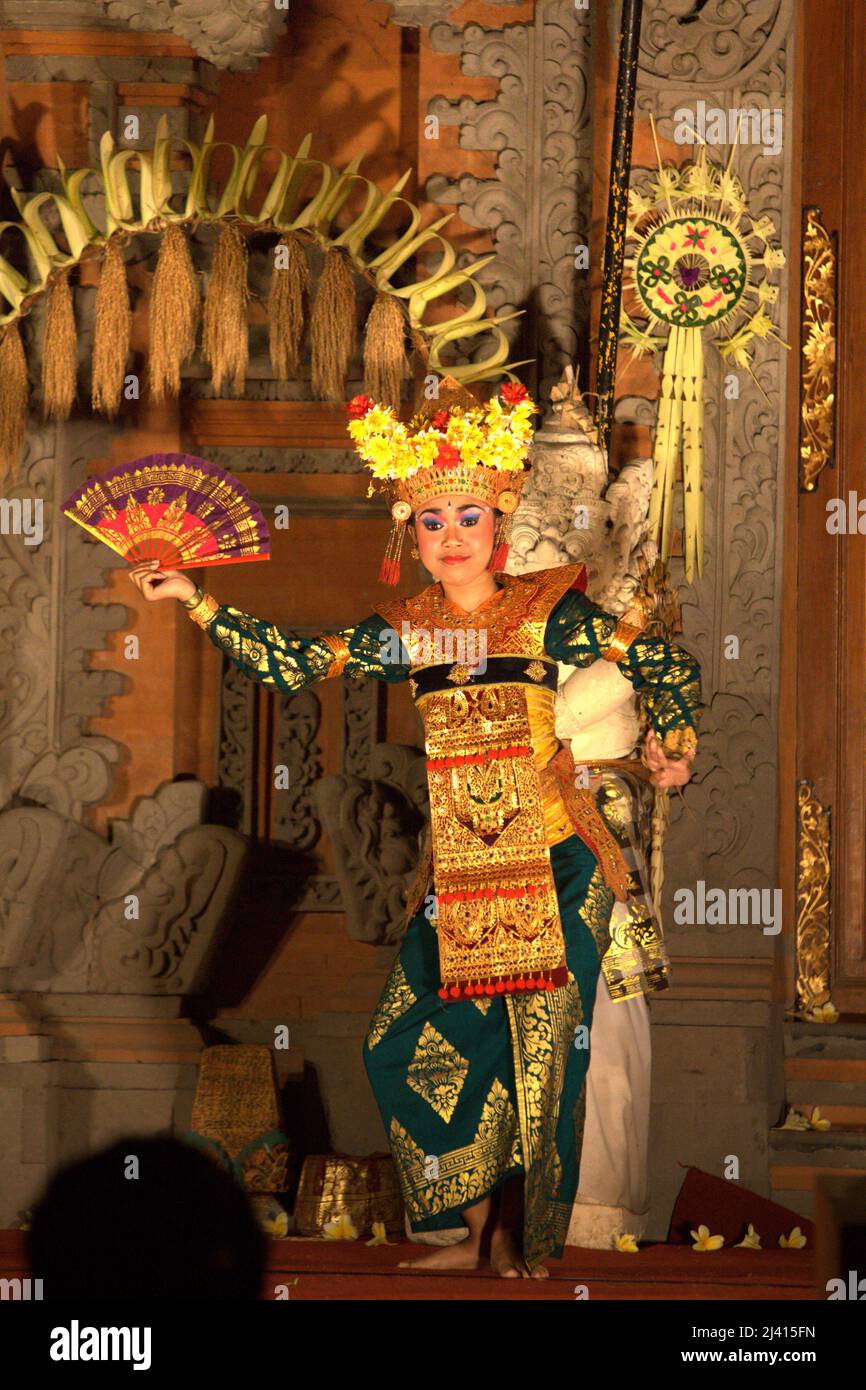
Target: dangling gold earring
415 552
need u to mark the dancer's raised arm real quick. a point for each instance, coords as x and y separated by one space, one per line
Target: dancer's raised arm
274 656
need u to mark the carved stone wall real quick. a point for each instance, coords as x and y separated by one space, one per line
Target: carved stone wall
537 208
731 53
231 36
727 53
46 755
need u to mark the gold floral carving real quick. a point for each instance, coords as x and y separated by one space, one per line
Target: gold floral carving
813 900
818 347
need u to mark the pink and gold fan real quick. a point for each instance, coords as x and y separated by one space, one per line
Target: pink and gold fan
175 508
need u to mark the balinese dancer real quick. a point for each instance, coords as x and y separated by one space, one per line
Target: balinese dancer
477 1052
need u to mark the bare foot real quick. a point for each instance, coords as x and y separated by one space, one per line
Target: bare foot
504 1256
539 1272
461 1256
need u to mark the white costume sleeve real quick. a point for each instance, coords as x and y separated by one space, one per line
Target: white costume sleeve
597 711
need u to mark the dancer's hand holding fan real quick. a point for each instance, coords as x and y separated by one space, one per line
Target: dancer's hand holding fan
169 512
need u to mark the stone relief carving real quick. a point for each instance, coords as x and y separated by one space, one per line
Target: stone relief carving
722 42
296 748
228 34
67 921
237 745
48 631
540 119
231 34
362 705
374 824
570 512
420 14
730 53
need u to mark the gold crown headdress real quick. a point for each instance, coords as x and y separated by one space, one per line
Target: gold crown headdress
452 444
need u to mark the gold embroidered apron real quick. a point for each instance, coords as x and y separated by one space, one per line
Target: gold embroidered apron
497 915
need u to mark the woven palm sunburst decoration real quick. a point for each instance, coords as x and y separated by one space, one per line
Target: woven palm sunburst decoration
181 510
697 266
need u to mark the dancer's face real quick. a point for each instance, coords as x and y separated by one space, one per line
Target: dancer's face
455 538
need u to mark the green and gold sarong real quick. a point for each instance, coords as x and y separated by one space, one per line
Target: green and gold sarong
474 1091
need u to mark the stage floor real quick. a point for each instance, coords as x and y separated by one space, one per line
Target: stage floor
353 1270
311 1269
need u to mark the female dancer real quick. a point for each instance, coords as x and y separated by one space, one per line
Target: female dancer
478 1050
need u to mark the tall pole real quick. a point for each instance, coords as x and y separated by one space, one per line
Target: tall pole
617 208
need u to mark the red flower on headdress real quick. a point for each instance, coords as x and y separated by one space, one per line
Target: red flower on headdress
440 420
447 457
513 392
359 406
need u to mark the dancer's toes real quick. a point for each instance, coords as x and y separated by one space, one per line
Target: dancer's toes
505 1258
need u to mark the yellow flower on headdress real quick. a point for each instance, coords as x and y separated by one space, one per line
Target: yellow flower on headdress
378 450
496 436
381 417
426 448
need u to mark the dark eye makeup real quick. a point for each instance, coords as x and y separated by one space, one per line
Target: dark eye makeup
431 523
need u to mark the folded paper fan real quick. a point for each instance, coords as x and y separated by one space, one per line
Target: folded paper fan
175 508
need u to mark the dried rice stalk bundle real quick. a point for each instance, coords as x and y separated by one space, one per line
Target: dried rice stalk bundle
14 395
333 328
385 361
175 310
225 342
111 332
59 351
287 303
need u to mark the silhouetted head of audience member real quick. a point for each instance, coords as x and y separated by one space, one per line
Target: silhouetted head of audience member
146 1218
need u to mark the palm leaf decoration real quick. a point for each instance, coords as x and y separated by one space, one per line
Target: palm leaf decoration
693 269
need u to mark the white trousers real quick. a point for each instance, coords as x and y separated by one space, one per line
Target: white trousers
613 1192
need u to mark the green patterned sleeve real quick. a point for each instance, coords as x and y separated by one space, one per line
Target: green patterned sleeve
279 659
665 675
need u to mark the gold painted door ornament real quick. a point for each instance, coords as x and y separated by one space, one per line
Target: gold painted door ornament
818 349
813 909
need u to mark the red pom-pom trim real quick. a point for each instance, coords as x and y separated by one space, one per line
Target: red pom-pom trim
533 981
